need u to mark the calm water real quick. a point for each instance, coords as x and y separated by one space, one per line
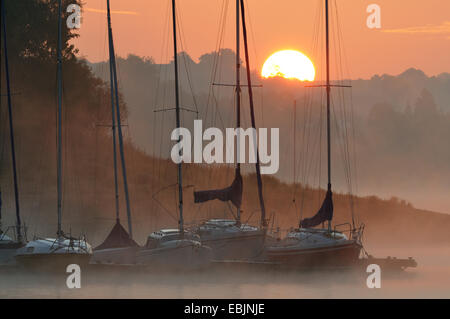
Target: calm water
430 280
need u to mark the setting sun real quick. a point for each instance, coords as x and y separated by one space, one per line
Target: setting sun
289 64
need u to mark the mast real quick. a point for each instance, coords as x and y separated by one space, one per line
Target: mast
252 114
238 102
11 131
113 126
177 112
112 61
59 133
328 88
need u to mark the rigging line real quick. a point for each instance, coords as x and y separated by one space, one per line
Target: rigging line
95 161
311 144
2 137
177 117
320 145
113 132
218 66
303 157
161 204
156 171
347 163
341 40
294 161
183 53
353 149
345 170
355 168
252 33
252 113
314 165
162 167
346 141
308 102
215 54
160 66
300 159
184 49
129 141
59 120
294 128
260 94
119 126
341 109
341 140
231 210
47 137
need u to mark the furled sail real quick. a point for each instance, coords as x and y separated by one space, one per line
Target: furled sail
117 238
232 193
325 213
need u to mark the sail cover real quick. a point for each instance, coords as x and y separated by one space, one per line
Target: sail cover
117 238
325 213
232 193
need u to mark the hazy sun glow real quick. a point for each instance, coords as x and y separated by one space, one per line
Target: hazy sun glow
289 64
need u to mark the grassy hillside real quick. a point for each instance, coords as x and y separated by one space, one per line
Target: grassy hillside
89 205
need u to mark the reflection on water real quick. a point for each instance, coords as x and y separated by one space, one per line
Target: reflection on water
430 280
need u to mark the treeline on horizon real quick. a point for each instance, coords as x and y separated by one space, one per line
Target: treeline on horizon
401 123
88 205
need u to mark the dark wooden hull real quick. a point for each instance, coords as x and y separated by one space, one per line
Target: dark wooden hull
339 255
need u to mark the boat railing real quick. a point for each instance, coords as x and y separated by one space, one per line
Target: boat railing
336 228
353 232
13 230
58 243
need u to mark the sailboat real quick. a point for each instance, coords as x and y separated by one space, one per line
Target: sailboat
119 246
63 250
9 245
231 239
307 246
175 249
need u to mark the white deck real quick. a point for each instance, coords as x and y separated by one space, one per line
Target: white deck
55 246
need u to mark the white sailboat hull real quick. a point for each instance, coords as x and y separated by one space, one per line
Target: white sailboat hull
312 248
231 241
235 246
54 254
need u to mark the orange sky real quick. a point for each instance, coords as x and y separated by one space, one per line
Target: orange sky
414 33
